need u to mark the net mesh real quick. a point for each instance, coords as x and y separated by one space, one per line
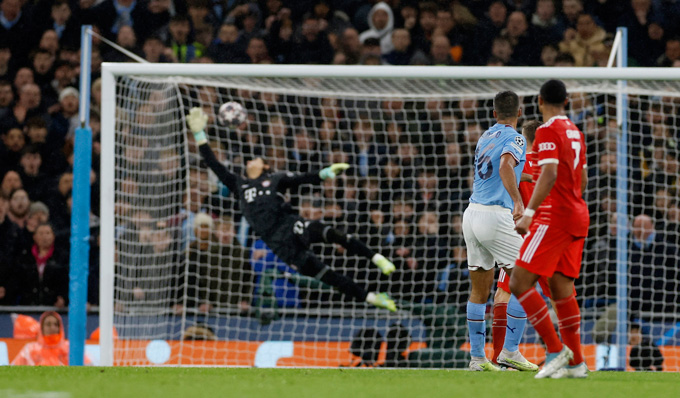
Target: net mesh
211 293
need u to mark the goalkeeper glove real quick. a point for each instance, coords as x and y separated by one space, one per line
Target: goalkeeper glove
197 119
333 170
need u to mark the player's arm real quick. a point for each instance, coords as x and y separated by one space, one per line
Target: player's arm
507 174
543 186
584 179
197 119
291 181
526 177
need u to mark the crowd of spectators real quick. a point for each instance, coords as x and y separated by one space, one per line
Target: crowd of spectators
411 175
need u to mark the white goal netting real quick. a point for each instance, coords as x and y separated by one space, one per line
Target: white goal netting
193 286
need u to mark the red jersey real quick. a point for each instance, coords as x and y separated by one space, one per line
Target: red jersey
559 141
526 188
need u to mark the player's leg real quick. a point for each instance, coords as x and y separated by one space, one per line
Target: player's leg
539 255
481 281
320 232
481 265
500 316
569 316
510 355
505 248
566 306
315 268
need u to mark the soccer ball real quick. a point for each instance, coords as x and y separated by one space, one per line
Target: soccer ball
232 114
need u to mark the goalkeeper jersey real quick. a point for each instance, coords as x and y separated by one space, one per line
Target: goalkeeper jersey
262 199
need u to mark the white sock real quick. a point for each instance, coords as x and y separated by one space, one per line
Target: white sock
377 257
370 298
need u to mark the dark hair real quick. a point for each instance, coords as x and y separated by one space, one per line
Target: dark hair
153 37
61 62
44 224
36 122
554 92
506 104
565 58
198 4
30 148
529 129
585 14
371 42
35 53
428 6
180 18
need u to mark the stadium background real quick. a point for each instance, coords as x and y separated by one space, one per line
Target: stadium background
39 65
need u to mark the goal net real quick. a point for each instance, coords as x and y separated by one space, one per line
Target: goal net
189 284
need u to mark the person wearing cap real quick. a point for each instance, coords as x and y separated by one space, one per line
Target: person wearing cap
65 121
38 213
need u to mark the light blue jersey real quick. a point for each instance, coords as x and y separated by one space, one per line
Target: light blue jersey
488 187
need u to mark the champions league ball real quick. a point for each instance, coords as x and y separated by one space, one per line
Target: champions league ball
232 114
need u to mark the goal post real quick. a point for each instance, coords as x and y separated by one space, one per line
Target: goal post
142 124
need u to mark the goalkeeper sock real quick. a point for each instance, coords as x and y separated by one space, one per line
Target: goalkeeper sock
343 284
569 316
538 315
353 245
476 328
498 326
517 320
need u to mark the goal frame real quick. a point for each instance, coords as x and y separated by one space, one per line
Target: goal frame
110 71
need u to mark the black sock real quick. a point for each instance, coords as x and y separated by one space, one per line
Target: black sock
343 284
315 268
353 245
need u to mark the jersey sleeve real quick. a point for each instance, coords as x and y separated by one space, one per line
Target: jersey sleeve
546 146
515 146
290 180
229 179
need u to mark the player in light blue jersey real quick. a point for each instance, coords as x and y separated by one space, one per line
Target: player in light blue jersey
488 222
499 140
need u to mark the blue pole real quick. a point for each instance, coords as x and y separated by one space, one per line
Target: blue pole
622 211
80 213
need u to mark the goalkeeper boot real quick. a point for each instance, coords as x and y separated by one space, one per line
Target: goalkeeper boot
384 264
554 362
516 360
482 365
382 300
579 371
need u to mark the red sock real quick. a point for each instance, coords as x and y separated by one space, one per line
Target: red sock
500 322
569 316
537 313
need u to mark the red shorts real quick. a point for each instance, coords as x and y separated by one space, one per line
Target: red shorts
549 249
504 283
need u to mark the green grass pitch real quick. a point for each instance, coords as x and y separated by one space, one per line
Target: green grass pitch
66 382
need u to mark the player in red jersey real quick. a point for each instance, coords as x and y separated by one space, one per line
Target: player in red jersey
554 246
504 318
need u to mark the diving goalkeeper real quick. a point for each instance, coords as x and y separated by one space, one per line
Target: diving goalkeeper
288 235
